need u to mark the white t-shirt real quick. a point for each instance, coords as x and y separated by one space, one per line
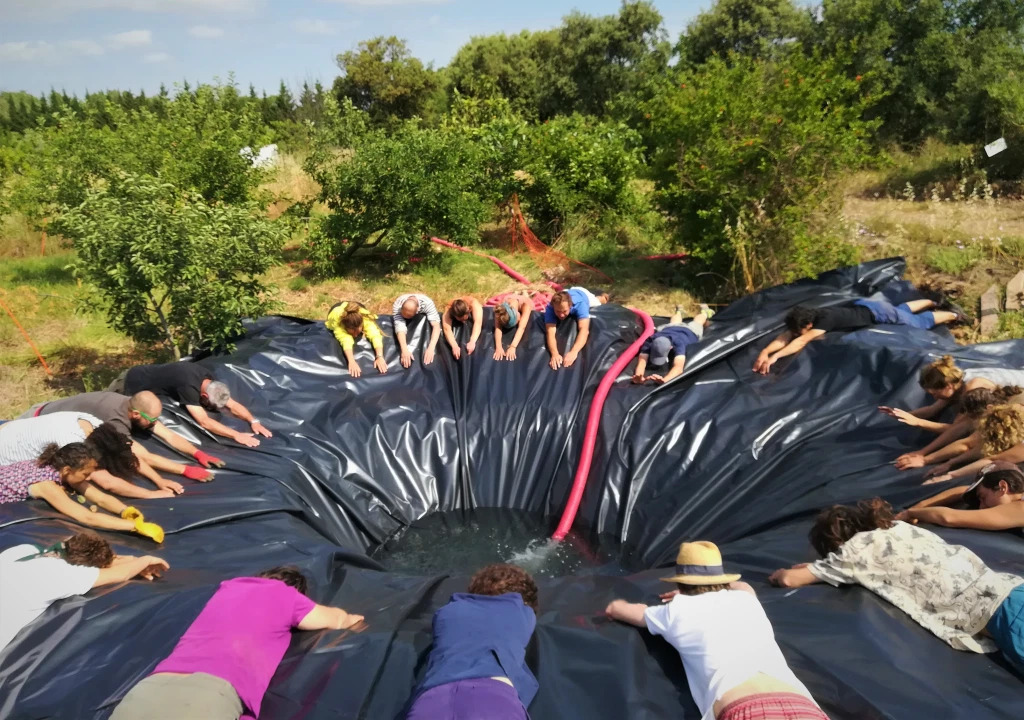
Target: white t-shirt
25 439
28 588
594 301
724 639
1000 376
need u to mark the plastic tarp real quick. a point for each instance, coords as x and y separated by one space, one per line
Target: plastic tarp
721 454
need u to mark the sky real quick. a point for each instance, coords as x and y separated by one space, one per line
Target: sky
79 45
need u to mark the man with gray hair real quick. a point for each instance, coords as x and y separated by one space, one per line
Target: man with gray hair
193 386
669 342
405 308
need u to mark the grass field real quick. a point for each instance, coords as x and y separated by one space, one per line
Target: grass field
957 246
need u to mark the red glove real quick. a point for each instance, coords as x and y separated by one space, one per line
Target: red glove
197 473
207 460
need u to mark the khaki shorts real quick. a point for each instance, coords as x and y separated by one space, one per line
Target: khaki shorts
180 697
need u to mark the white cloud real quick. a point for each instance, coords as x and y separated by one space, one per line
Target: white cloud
44 9
390 3
84 47
157 57
314 27
130 38
205 32
26 51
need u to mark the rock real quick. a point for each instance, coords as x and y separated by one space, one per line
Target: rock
990 310
1015 292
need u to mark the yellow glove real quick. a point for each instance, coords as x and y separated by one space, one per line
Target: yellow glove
130 513
151 530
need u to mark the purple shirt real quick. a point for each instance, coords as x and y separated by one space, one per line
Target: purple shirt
16 478
241 636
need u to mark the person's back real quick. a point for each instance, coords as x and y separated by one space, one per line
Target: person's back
22 440
107 406
241 635
181 381
724 639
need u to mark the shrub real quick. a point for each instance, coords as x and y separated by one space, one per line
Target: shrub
954 260
169 266
746 156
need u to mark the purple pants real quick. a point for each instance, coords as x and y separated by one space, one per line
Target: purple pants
469 700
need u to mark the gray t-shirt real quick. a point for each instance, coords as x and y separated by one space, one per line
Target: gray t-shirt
110 407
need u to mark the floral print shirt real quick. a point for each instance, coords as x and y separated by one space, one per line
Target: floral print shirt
16 477
946 589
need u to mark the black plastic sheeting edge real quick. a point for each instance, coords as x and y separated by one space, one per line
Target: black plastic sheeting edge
719 454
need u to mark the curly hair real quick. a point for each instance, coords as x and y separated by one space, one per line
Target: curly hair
837 524
113 451
73 455
800 317
941 373
289 575
89 550
352 318
1001 428
499 579
975 402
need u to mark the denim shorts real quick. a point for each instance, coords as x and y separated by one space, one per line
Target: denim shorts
888 314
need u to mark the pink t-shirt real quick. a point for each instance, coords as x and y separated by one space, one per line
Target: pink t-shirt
241 636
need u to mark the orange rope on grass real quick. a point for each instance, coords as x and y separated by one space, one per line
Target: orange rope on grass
27 338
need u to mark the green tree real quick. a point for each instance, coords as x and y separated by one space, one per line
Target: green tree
170 267
382 78
505 66
747 156
752 28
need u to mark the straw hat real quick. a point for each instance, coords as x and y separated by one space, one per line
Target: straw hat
700 563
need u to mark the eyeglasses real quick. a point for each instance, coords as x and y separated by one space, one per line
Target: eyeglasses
146 417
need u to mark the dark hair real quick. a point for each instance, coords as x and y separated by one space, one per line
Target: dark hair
562 297
499 579
289 575
73 455
501 315
975 402
352 318
800 317
89 550
685 589
1014 484
837 524
460 308
113 451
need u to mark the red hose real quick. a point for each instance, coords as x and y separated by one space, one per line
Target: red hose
579 483
508 271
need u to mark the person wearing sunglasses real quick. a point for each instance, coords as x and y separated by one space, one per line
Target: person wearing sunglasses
37 577
137 414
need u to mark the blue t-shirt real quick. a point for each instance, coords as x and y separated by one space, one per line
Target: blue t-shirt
680 337
482 636
580 308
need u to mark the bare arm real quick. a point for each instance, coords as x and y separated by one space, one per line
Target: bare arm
54 494
627 612
1014 455
446 323
525 312
173 439
1000 517
930 411
322 617
957 430
582 335
499 351
796 576
641 368
125 567
478 324
678 363
435 335
762 364
152 460
119 486
216 427
797 344
959 447
945 498
552 342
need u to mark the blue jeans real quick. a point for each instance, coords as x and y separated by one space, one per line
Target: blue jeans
1007 628
887 314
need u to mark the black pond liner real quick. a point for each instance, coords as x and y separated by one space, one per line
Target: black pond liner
720 454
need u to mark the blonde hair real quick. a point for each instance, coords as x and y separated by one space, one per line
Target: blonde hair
1001 428
941 373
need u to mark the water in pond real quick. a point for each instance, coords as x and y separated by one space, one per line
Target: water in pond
462 541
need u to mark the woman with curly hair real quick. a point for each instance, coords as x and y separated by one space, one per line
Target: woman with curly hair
946 589
477 666
1001 437
59 470
948 385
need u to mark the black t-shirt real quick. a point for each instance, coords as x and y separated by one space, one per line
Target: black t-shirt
843 318
178 380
